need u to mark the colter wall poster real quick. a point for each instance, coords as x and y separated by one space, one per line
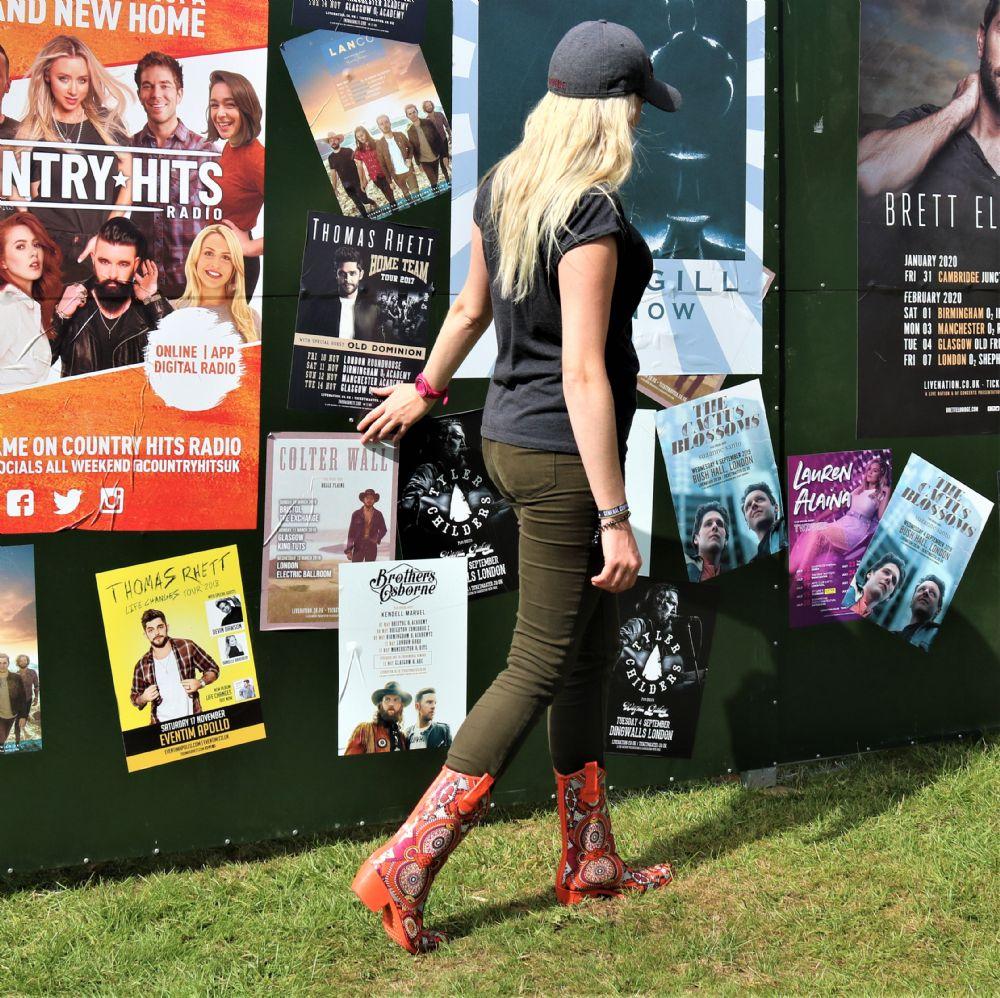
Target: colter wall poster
181 660
329 500
20 694
697 192
402 655
130 300
929 215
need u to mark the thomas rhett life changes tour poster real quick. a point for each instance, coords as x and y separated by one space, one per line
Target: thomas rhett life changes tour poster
132 156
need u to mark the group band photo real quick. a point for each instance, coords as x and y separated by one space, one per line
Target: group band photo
129 193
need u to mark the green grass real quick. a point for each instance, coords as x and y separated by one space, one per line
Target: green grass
876 876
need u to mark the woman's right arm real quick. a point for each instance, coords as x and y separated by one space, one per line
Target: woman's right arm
468 318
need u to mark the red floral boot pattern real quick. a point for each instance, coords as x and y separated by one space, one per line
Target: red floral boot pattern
397 878
590 865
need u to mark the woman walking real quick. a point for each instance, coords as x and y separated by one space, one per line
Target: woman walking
560 272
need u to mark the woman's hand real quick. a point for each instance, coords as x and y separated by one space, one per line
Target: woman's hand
242 237
389 420
622 560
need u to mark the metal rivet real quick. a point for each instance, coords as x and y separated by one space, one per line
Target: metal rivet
295 831
86 860
774 703
822 284
671 779
728 770
227 841
10 869
156 852
360 823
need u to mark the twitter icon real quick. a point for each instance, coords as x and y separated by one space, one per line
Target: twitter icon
66 504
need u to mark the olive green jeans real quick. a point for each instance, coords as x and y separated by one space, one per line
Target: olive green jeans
567 630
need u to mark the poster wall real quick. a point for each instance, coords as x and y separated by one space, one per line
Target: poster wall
181 659
20 692
697 193
929 256
328 500
375 117
148 275
914 563
402 655
654 697
450 508
834 504
723 480
364 311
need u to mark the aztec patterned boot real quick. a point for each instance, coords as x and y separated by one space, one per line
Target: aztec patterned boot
397 878
590 865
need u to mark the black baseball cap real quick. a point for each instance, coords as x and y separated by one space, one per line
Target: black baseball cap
604 59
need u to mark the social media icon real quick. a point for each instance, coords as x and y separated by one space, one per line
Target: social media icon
66 504
112 500
20 502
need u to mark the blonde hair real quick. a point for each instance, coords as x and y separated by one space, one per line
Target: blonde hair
104 104
570 146
243 316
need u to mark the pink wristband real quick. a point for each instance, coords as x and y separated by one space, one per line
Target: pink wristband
427 391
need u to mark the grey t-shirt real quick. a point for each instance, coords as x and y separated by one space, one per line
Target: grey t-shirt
525 404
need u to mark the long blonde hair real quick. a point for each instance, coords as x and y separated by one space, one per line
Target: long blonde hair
243 316
570 146
104 104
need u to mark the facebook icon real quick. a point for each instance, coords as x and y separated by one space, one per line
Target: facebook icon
20 502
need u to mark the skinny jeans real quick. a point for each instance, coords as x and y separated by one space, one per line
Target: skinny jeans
566 633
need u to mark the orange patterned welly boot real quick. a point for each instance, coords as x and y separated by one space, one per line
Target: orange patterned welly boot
590 865
397 878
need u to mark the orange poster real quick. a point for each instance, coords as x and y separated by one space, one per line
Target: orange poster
131 263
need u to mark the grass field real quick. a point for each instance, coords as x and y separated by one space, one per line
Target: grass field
877 875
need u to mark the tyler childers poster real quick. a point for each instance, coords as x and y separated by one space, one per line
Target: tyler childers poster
723 480
654 697
697 192
375 118
834 504
364 311
139 410
449 507
181 661
928 212
402 20
329 500
402 655
914 563
20 695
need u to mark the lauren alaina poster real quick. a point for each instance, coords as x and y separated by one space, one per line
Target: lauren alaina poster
181 658
136 407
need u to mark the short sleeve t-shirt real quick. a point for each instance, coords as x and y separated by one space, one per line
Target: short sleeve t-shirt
525 404
174 700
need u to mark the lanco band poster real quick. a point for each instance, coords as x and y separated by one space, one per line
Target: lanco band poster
133 174
181 661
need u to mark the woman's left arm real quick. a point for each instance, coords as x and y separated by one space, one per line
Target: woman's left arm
124 198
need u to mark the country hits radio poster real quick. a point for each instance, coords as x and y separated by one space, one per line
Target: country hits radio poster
402 655
914 563
723 480
375 118
834 504
929 213
364 311
181 661
20 693
403 20
654 697
696 195
450 508
329 500
130 316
